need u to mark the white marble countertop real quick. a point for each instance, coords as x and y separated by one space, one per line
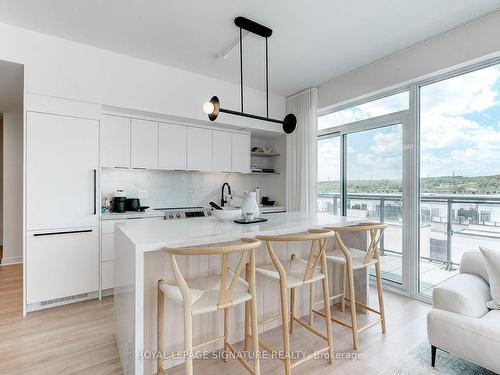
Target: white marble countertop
154 235
131 215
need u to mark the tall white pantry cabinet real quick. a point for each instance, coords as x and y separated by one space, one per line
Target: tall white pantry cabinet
62 206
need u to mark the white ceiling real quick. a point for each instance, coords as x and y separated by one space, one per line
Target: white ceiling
313 40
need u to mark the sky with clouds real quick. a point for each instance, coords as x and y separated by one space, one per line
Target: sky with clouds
460 132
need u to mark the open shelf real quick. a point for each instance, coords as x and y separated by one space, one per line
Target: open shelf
264 154
266 173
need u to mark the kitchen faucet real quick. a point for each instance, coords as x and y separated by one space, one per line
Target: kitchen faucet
222 200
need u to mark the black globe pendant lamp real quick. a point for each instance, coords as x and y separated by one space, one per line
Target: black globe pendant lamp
213 108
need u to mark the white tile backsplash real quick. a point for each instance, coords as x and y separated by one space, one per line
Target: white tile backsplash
185 189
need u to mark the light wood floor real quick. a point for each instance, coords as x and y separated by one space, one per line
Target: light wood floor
78 339
71 339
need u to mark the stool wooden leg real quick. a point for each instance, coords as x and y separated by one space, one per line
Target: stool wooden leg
255 334
311 303
285 326
253 313
380 295
188 339
160 327
328 320
247 323
352 298
247 312
344 276
226 332
292 308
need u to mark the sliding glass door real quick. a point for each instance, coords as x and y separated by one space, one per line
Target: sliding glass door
374 188
459 171
360 174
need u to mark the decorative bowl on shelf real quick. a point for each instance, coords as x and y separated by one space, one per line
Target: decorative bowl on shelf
227 214
267 150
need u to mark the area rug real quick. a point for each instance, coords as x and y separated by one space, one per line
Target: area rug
419 363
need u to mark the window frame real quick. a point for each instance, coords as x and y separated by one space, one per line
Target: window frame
360 101
411 146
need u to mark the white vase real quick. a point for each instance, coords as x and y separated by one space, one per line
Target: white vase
250 206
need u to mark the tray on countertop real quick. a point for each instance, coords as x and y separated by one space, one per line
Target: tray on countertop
254 221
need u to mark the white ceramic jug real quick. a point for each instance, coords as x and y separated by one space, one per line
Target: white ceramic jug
250 207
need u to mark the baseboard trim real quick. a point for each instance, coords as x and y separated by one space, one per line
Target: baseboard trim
11 260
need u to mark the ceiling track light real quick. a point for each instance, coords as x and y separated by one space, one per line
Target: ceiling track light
213 108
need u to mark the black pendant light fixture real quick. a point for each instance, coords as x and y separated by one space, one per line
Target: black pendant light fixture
213 108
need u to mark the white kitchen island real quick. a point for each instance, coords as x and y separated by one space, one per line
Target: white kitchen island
140 263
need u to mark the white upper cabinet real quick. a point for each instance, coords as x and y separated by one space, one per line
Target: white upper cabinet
172 147
115 142
146 144
144 141
199 149
240 145
62 161
221 151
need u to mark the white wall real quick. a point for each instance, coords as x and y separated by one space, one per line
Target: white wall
66 69
1 179
12 188
475 40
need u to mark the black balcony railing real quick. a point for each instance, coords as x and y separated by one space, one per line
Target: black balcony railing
440 211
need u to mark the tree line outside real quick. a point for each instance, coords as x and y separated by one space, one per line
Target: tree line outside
438 185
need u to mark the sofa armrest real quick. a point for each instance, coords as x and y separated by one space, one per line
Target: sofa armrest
475 339
465 294
473 262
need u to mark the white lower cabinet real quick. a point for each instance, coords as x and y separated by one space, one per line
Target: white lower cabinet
108 249
108 275
61 264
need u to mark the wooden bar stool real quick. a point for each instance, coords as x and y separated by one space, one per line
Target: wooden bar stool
354 259
209 294
295 273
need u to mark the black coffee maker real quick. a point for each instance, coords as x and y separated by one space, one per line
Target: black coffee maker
119 204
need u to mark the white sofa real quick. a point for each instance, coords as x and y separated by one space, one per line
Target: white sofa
460 322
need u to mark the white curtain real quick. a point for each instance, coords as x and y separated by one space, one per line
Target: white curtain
301 154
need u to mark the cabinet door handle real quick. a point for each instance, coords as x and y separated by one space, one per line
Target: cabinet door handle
95 191
66 232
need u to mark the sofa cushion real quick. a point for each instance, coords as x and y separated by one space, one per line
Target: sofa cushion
473 262
492 260
464 294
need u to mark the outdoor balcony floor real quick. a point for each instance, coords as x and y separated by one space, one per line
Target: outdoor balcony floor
431 273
